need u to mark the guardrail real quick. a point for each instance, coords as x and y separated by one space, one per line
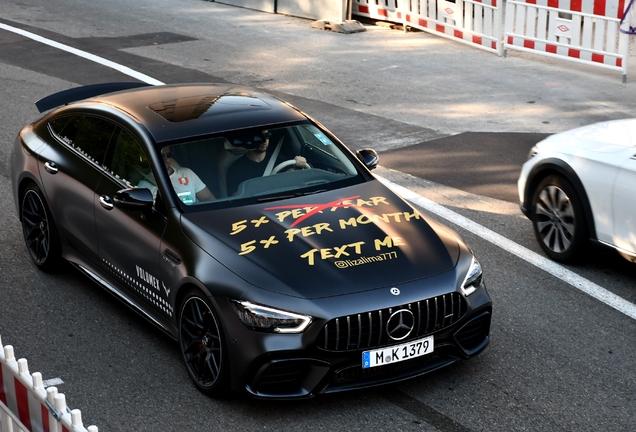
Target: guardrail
26 406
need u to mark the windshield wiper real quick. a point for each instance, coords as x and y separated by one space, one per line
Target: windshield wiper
282 197
276 198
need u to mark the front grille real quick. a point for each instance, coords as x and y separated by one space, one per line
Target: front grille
368 329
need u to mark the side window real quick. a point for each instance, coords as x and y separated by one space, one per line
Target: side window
130 163
86 135
65 128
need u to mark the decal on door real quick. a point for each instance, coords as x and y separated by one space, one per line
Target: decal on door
144 284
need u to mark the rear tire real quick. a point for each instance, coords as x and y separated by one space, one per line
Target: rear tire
558 221
39 231
202 345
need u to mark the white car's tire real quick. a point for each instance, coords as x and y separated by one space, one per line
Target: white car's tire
557 219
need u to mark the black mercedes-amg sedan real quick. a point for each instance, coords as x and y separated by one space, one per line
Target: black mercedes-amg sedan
248 233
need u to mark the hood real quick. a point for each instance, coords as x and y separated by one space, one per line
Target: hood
331 243
604 137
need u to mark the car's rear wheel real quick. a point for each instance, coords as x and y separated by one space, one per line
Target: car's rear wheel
202 344
558 219
39 231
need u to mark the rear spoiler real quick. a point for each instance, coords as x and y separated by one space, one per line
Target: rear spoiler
78 93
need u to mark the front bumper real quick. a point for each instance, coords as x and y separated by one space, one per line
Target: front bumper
304 365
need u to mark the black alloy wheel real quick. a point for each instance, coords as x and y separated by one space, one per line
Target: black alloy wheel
558 219
202 346
38 229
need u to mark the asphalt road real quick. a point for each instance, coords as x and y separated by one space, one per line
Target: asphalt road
451 123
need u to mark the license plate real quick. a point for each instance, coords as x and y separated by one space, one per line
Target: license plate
397 353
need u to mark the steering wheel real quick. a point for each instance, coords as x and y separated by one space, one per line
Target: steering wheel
286 164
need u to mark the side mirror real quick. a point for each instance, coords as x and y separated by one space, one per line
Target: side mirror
134 199
368 157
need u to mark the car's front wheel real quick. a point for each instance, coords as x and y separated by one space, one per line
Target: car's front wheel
202 344
558 219
39 231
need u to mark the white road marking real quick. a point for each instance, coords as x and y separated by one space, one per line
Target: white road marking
551 267
558 271
88 56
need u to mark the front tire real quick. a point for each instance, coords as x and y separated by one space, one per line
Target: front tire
39 231
558 219
202 345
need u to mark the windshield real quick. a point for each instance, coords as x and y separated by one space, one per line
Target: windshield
257 165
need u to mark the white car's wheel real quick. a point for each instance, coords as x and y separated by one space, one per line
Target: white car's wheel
558 219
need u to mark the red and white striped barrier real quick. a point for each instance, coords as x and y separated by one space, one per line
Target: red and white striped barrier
386 10
473 22
595 32
584 31
26 406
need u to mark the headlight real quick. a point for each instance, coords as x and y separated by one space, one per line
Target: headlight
473 278
533 152
270 320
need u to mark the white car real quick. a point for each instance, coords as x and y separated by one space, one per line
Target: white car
580 185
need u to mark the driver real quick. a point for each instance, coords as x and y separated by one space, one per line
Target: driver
253 164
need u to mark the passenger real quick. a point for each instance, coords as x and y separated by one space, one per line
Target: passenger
253 164
186 183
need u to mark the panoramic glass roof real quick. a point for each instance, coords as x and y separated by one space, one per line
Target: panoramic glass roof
190 108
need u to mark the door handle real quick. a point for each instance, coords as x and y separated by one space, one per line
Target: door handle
171 257
51 167
106 202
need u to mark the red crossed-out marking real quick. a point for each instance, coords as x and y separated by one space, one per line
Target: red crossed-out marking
317 208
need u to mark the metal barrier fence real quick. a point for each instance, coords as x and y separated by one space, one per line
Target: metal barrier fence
473 22
26 406
312 9
585 31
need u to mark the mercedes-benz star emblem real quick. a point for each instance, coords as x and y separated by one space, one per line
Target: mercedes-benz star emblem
395 291
400 324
